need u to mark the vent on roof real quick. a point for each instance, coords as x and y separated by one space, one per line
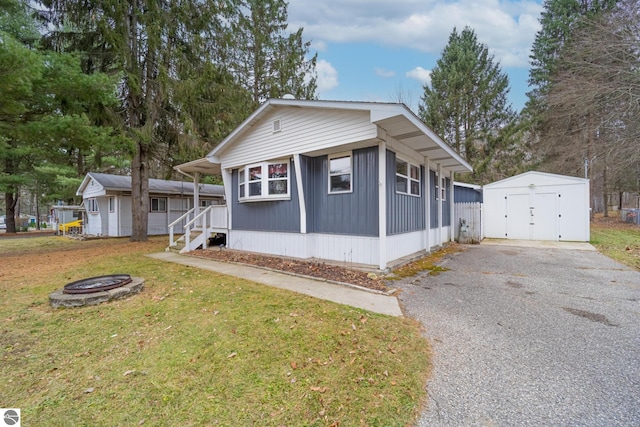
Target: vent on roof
277 125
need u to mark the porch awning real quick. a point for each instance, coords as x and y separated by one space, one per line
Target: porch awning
202 166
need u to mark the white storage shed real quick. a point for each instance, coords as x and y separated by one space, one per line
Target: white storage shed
537 206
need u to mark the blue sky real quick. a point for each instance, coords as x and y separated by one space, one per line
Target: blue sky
384 50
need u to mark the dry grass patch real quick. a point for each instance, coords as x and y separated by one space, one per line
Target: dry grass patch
427 263
617 240
194 348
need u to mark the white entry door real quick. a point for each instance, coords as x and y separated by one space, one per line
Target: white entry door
532 216
545 216
518 220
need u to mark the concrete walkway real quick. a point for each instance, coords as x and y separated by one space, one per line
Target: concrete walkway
377 303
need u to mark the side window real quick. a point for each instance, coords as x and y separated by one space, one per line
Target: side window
158 204
112 204
340 173
407 178
441 188
242 184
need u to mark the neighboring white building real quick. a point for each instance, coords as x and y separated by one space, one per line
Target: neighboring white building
107 202
537 206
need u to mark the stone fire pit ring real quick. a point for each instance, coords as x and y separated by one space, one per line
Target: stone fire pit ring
60 299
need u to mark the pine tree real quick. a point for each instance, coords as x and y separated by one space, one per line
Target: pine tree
467 101
267 61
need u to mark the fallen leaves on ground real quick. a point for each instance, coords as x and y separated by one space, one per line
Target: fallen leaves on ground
289 265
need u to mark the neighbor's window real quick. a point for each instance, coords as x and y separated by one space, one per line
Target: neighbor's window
92 205
112 204
407 178
267 180
340 173
158 204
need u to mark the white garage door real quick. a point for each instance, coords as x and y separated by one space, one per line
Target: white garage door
532 216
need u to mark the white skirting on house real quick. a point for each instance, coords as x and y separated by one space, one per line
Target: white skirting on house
335 247
401 245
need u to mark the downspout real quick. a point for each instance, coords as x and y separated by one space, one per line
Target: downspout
382 205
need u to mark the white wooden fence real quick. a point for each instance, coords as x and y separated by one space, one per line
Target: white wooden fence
468 222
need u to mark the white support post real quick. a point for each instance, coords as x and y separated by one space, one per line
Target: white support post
440 204
451 207
301 202
227 182
382 204
427 204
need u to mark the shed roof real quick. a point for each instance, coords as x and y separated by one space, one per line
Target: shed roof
536 178
156 186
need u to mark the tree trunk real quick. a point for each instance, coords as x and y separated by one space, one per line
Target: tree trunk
10 217
140 195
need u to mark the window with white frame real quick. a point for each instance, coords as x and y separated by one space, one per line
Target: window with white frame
92 205
441 188
267 180
407 178
340 173
112 204
158 204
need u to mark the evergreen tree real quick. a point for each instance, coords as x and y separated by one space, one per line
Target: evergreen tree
558 19
43 119
467 101
267 61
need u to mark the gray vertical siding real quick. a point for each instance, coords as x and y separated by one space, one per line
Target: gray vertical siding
354 213
466 195
276 215
405 213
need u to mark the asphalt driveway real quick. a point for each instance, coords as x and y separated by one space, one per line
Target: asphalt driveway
530 336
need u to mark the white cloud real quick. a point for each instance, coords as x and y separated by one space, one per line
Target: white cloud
327 76
319 46
381 72
420 74
508 28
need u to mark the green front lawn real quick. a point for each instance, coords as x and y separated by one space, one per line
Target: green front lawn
194 348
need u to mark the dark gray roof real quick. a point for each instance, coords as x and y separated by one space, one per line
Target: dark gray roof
156 186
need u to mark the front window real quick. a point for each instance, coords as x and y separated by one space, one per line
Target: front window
268 180
92 205
158 204
407 178
340 173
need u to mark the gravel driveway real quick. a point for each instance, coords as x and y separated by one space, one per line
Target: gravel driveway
526 336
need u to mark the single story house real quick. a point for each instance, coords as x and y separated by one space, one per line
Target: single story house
107 203
537 206
355 182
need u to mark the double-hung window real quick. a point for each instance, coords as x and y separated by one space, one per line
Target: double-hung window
264 181
92 205
340 173
158 204
441 188
407 178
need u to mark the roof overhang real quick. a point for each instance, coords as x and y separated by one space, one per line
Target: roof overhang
202 166
397 120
